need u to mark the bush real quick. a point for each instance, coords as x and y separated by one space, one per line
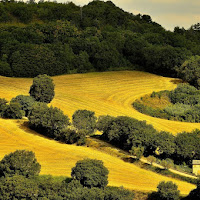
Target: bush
48 121
137 152
84 119
18 187
20 162
42 88
151 159
13 111
90 173
3 105
26 103
103 122
168 191
71 136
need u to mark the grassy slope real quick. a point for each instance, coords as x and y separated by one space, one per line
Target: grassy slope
105 93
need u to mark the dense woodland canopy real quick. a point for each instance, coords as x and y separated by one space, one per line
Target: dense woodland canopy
57 38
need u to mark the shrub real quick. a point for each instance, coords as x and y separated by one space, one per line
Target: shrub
26 103
103 122
13 111
20 162
18 187
3 103
48 121
90 173
137 152
84 119
42 88
151 159
168 191
71 136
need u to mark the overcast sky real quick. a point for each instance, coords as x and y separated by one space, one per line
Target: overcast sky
168 13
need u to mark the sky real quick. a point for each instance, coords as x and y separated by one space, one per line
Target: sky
168 13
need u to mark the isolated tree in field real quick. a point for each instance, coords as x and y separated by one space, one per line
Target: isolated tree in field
90 173
84 119
168 191
26 103
20 162
42 88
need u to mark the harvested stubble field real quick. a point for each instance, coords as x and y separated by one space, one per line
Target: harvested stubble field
105 93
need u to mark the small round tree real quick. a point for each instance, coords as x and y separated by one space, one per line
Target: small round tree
84 119
26 103
20 162
42 88
168 191
90 173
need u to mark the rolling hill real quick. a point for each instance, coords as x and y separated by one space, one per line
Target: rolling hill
105 93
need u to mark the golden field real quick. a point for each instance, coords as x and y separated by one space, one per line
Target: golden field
105 93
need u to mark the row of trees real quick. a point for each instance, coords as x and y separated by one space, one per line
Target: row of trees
125 132
19 180
183 104
100 37
49 121
142 139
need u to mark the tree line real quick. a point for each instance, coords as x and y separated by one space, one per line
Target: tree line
184 104
19 179
58 38
127 133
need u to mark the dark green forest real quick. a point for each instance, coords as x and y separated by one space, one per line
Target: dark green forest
59 38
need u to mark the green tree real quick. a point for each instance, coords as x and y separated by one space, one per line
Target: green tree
20 162
137 152
13 111
18 187
164 143
168 191
84 119
167 164
90 173
3 105
42 88
190 71
103 122
151 159
26 103
48 121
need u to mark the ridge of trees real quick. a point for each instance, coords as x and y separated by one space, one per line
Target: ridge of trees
58 38
19 179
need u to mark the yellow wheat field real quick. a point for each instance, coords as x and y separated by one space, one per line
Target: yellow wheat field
105 93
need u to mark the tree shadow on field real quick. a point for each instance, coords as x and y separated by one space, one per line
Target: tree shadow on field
153 196
177 81
26 128
129 159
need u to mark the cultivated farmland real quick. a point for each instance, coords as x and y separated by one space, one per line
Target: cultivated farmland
105 93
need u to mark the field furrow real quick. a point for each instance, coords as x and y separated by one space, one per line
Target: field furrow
105 93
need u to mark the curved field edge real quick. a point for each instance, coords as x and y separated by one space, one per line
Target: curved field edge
58 159
105 93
